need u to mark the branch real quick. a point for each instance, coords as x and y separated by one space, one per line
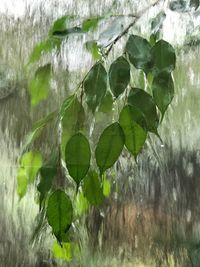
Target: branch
125 31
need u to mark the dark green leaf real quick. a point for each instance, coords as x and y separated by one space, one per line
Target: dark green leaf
163 91
77 157
139 51
92 189
39 86
66 32
109 147
106 103
164 57
119 76
95 86
47 174
44 47
59 213
60 24
135 136
93 48
73 116
90 24
145 103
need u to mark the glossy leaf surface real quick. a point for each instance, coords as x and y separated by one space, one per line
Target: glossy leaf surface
145 104
77 157
119 76
135 135
163 91
95 86
164 57
109 146
59 213
139 51
73 116
92 189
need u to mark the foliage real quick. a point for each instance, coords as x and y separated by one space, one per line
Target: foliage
81 163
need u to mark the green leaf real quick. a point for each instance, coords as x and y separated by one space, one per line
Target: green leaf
135 135
93 48
145 103
59 213
77 157
106 103
119 76
81 204
164 57
73 116
60 24
66 252
92 189
39 86
163 91
90 24
95 86
22 183
109 146
66 32
106 186
44 47
139 52
31 162
47 173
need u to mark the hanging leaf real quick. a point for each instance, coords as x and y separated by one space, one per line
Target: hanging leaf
43 48
66 32
39 86
72 119
31 162
164 57
163 91
60 24
90 24
109 146
119 76
22 183
106 103
93 48
95 86
139 52
92 189
77 157
135 136
59 213
47 174
145 103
